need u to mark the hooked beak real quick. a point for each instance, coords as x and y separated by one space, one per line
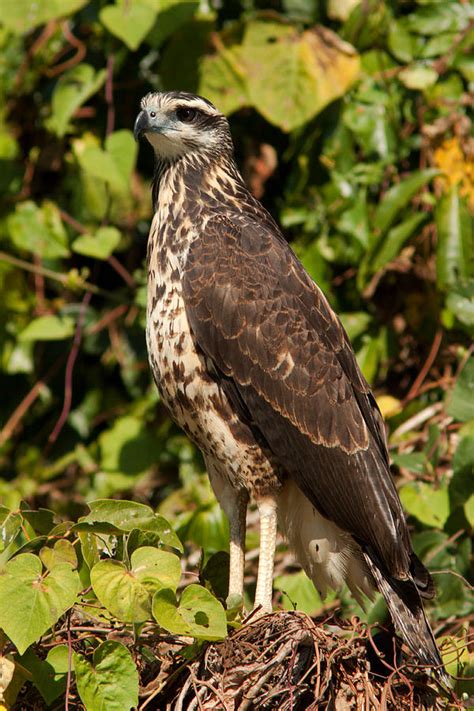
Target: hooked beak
142 125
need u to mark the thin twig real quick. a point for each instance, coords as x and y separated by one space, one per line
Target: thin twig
413 392
79 46
109 95
56 276
120 269
69 370
27 402
69 662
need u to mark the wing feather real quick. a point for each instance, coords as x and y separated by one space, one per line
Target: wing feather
270 331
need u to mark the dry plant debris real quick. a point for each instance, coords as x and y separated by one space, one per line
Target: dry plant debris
289 662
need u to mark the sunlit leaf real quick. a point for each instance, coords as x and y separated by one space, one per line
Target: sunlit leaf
110 682
72 90
100 245
198 613
455 246
428 504
399 195
38 230
48 328
291 77
129 20
298 593
126 592
37 599
126 515
23 15
461 399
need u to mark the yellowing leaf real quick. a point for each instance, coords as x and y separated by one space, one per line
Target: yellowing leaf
389 405
457 168
290 76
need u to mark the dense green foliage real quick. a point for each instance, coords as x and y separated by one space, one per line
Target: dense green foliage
360 144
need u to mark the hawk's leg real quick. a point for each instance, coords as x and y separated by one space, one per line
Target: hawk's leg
268 529
237 514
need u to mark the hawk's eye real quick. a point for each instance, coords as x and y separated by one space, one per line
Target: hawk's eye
186 115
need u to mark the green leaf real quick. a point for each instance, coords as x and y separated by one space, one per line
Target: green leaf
402 44
119 591
89 548
37 599
461 399
49 676
23 15
469 510
112 165
455 246
156 568
418 76
110 683
72 90
198 614
461 485
129 20
38 230
438 17
428 505
48 328
122 147
414 461
398 197
100 245
298 593
291 77
171 16
10 526
127 447
390 245
127 593
127 515
62 552
356 323
223 80
460 301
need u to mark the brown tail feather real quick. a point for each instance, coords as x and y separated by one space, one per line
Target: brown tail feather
406 609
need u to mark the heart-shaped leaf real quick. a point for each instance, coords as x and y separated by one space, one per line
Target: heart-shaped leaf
62 552
428 505
113 164
198 614
38 230
124 516
290 76
129 20
100 245
48 675
72 90
37 599
126 593
110 683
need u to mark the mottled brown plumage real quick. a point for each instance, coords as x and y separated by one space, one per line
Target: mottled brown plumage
253 363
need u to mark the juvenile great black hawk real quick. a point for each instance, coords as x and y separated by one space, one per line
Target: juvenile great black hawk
255 366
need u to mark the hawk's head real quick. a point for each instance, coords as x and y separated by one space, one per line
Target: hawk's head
177 123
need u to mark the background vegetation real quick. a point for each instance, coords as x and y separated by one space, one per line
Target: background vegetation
360 143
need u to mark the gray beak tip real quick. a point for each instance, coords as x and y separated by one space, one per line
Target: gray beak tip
141 125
